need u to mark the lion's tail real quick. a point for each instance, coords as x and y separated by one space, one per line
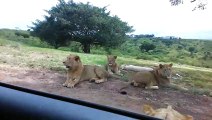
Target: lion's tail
119 76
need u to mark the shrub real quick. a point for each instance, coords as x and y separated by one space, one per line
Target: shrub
23 34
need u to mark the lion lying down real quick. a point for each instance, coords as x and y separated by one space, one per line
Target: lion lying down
165 113
78 72
159 76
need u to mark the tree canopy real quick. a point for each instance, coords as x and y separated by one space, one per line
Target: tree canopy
84 23
200 4
147 46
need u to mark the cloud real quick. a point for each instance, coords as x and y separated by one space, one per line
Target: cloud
20 13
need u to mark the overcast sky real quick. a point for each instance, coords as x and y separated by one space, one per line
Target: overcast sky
146 16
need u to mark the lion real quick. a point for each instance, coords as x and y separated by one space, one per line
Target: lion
165 113
78 72
111 66
159 76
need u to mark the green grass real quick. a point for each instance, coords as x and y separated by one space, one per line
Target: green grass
195 78
198 79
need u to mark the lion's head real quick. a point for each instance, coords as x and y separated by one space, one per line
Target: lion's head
165 70
72 62
111 60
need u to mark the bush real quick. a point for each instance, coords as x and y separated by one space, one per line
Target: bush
23 34
146 46
145 57
73 46
22 37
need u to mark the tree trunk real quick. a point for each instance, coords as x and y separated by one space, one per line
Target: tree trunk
135 68
86 48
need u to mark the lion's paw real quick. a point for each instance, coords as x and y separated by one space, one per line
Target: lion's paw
64 84
99 81
70 85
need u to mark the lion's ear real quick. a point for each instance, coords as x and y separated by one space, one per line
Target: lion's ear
77 58
161 66
115 56
171 65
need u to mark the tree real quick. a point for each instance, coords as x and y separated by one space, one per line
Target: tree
168 42
84 23
179 47
50 31
191 50
146 46
201 4
144 36
207 54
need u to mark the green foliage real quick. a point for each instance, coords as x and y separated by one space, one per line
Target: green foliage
83 23
22 37
167 42
73 46
179 47
23 34
98 50
207 55
191 50
3 42
146 46
177 51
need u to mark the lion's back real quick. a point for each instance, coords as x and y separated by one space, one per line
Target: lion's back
92 71
144 77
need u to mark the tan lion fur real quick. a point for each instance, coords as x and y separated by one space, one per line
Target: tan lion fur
159 76
165 113
78 72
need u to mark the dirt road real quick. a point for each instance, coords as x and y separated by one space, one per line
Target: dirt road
200 107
